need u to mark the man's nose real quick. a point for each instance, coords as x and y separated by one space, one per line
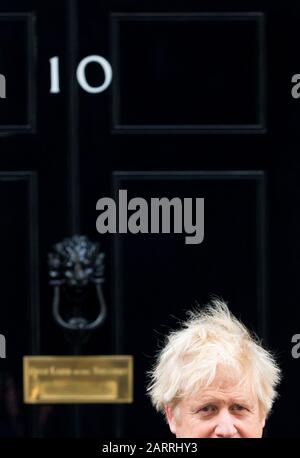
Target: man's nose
225 425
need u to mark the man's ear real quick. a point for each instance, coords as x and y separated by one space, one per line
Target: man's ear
171 418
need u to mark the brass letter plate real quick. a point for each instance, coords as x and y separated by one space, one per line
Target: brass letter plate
77 379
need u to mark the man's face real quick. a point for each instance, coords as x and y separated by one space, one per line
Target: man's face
222 410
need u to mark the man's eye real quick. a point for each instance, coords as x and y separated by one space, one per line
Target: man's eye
208 409
238 408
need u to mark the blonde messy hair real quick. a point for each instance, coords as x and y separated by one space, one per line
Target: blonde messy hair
210 338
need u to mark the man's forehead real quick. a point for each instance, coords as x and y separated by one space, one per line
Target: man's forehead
229 382
225 385
228 378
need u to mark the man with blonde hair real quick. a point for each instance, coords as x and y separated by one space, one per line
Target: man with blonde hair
213 378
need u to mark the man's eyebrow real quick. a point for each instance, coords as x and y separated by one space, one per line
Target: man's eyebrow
205 401
215 400
240 400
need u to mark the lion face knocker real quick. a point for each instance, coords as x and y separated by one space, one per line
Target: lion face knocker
75 264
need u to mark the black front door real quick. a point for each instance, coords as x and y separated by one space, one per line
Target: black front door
160 99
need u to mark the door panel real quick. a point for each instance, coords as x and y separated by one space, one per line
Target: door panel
158 272
188 72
